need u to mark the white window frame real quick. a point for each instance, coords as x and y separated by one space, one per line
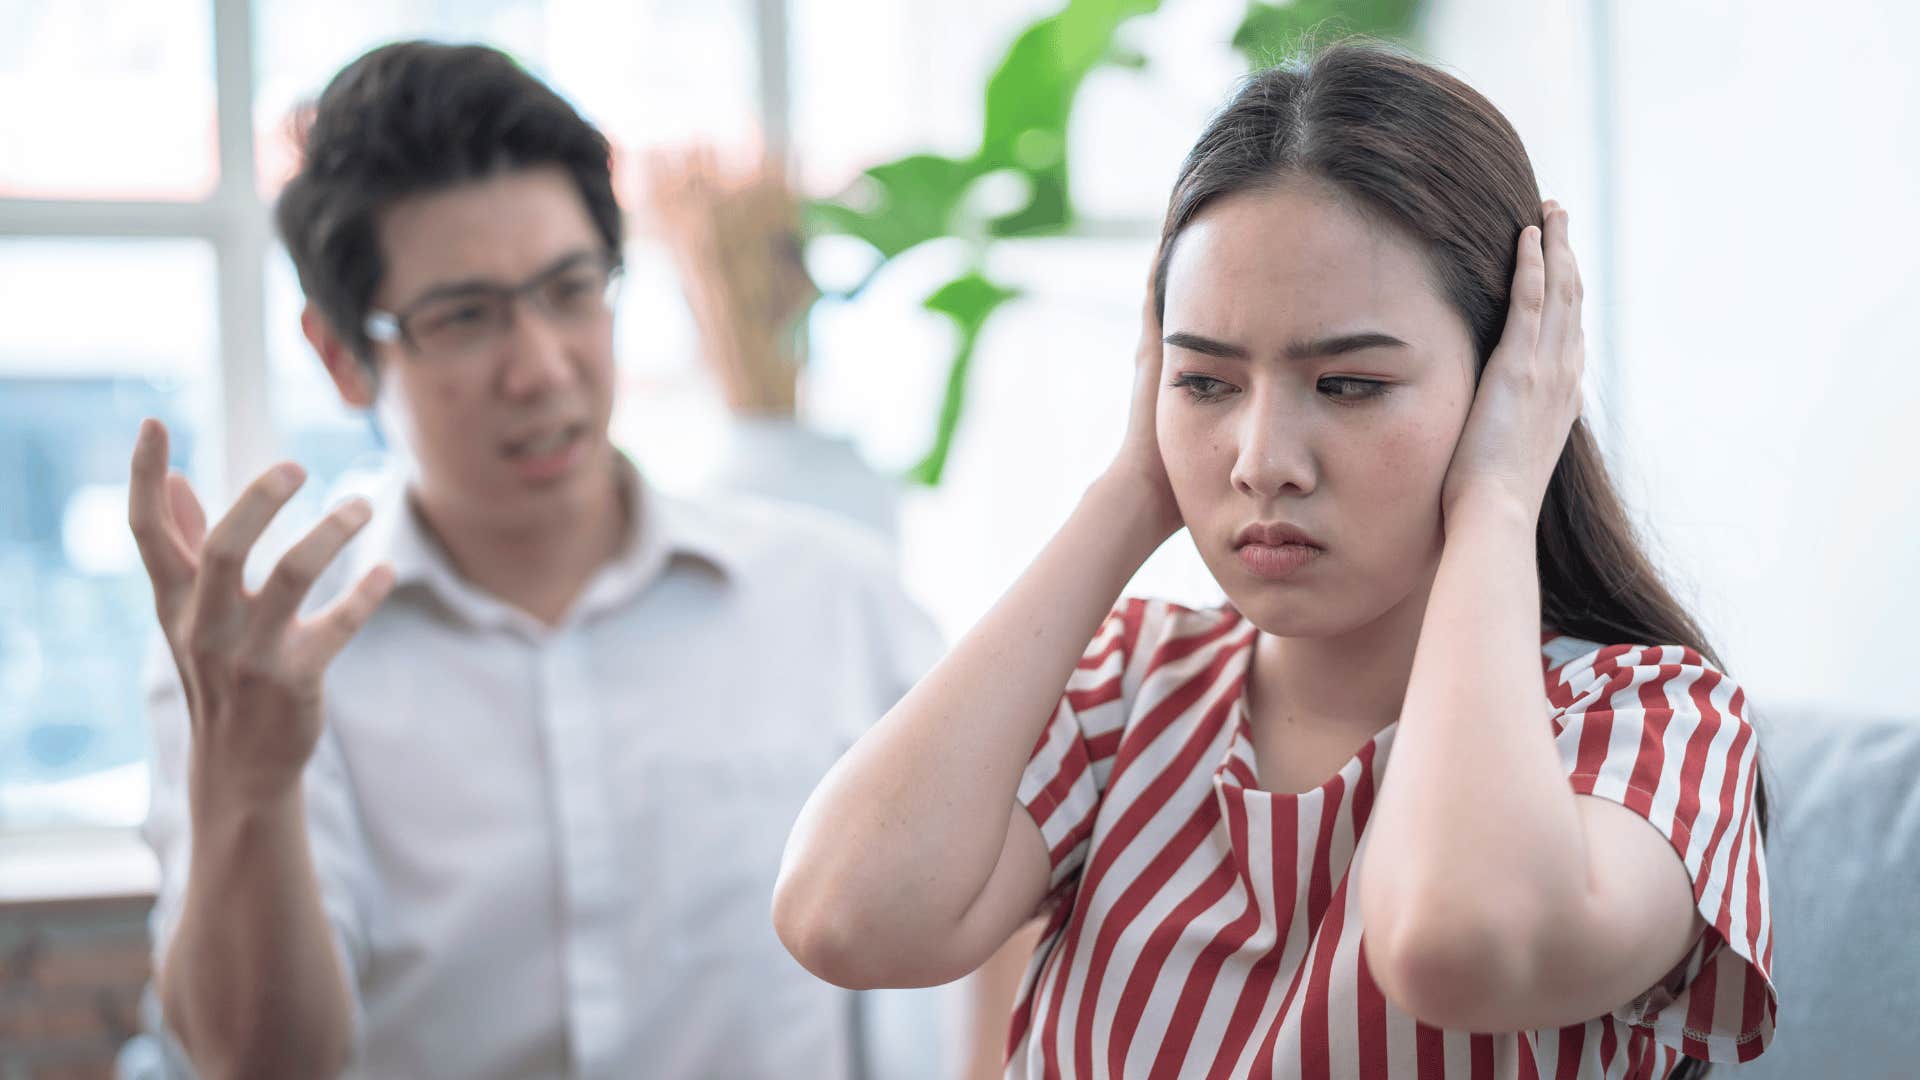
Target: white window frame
235 221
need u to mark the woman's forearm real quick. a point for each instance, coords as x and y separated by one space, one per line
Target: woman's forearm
904 833
1476 837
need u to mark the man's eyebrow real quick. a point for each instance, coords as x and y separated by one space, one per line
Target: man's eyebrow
468 286
1315 348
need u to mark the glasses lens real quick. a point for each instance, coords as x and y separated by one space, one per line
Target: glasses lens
457 323
577 292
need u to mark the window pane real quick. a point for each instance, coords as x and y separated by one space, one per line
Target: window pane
107 99
314 427
76 612
647 73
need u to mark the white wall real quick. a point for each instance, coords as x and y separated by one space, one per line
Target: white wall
1746 228
1768 171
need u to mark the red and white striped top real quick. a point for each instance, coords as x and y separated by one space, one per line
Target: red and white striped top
1201 927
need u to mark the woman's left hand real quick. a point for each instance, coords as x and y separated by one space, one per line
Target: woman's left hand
1529 394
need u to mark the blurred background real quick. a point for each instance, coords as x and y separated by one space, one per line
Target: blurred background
989 182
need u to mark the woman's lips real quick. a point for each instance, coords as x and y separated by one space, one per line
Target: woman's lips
1276 562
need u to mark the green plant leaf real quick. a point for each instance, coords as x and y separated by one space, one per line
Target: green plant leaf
902 203
1029 103
969 300
1269 33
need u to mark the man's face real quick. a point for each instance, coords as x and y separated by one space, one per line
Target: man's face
513 431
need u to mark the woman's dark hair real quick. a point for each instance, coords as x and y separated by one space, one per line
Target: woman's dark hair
410 118
1423 151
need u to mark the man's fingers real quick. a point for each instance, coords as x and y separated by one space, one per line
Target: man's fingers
224 555
168 560
187 514
322 637
303 563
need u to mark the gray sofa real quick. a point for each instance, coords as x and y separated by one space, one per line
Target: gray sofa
1843 859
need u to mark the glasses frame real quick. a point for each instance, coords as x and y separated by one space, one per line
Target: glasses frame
393 327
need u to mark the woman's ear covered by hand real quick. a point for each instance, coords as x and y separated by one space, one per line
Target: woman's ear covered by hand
1139 467
1529 394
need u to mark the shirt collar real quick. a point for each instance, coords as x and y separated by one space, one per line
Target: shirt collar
668 529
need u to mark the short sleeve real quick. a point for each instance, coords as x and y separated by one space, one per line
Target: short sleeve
1661 732
1069 765
332 830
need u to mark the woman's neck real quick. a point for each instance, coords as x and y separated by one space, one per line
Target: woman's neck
1355 681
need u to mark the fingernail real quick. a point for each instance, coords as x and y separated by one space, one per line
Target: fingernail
287 477
355 512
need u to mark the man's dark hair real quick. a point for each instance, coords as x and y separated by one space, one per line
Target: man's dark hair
411 118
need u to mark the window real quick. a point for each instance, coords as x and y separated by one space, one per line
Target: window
109 82
75 608
204 326
139 279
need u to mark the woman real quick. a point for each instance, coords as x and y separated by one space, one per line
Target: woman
1380 458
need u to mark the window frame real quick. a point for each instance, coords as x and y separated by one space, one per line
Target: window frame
235 221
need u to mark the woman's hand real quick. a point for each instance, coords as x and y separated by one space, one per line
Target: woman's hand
251 668
1529 394
1138 471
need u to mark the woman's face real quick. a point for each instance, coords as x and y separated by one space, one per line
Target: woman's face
1314 378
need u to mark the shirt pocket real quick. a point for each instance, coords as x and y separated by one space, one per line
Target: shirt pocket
722 825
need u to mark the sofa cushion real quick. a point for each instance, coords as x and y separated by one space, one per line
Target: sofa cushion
1843 863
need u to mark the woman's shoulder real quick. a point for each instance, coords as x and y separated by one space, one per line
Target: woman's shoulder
1577 667
1572 653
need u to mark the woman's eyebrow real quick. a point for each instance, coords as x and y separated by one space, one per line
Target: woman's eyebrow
1312 349
1343 343
1181 339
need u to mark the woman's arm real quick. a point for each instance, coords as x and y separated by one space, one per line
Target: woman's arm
992 991
1499 899
912 862
1494 897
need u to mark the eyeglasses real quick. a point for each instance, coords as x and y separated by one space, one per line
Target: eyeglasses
470 320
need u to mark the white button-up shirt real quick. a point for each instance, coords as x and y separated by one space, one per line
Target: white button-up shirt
550 851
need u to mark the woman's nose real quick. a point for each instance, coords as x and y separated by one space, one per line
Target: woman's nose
1275 456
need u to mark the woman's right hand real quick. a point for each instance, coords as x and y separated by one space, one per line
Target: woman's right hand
252 669
1138 471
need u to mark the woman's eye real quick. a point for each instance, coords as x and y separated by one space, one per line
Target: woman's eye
1200 387
1345 389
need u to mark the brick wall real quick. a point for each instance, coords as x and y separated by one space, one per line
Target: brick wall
71 973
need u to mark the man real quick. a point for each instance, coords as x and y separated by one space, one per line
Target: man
491 775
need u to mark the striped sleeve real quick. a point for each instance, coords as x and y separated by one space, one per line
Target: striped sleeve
1661 732
1069 765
